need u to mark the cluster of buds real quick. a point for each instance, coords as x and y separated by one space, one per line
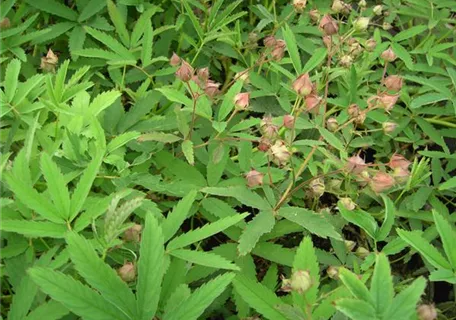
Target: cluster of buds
49 62
300 282
299 5
133 234
304 87
339 6
328 25
276 46
127 272
356 114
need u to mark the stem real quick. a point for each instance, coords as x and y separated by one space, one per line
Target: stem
195 99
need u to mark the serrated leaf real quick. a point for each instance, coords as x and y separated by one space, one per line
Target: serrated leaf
388 221
187 149
22 299
409 32
147 45
97 53
91 8
228 100
150 269
78 298
292 48
51 310
382 290
403 54
204 232
428 98
111 43
177 216
55 8
332 139
77 38
432 133
447 235
404 304
356 287
121 140
449 184
258 297
356 309
176 96
317 57
203 258
100 275
360 218
312 221
159 136
242 194
119 23
218 158
262 223
103 101
34 229
12 79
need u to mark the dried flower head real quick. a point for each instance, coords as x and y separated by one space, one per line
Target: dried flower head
389 127
401 175
212 89
203 74
299 5
133 234
264 144
398 161
361 24
314 15
370 44
381 182
333 272
337 6
332 124
254 178
280 153
5 23
356 164
393 83
388 101
348 204
328 25
312 102
427 312
267 128
316 188
269 42
49 62
279 50
378 10
346 61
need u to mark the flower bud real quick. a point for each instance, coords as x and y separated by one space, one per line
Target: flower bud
398 161
279 50
393 83
241 100
348 204
133 234
280 153
427 312
300 281
381 182
314 15
212 89
5 23
353 110
312 102
401 175
361 24
346 61
355 49
388 101
370 44
363 178
175 60
316 188
264 145
185 72
356 164
127 272
269 41
347 8
327 41
333 272
299 5
328 25
254 178
389 127
49 62
334 184
332 124
288 121
386 26
362 4
349 245
267 128
378 10
337 6
388 55
362 252
302 85
203 74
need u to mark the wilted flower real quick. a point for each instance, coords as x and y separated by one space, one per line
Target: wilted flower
316 188
348 204
389 127
174 60
346 61
378 10
127 272
288 121
279 50
398 161
349 245
254 178
312 102
203 74
381 182
332 124
393 83
388 101
314 15
302 85
49 62
427 312
356 164
328 25
362 252
353 110
333 272
264 145
370 44
241 100
133 234
355 49
269 41
361 24
280 153
212 88
388 55
267 128
337 6
401 175
185 72
299 5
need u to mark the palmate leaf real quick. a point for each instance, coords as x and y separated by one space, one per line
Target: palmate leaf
22 299
404 304
55 8
119 23
200 299
258 297
447 235
100 276
91 8
150 269
262 223
103 101
111 43
77 297
177 216
202 258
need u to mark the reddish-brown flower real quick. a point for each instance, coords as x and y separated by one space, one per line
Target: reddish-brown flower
269 41
288 121
381 182
328 25
393 83
127 272
212 88
185 72
133 234
242 100
312 102
175 60
254 178
388 55
279 50
388 101
398 161
356 164
302 85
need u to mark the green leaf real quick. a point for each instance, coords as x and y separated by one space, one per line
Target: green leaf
100 276
204 232
22 299
91 8
80 299
119 23
449 184
228 100
262 223
121 140
382 290
56 185
11 79
218 158
201 298
443 275
356 309
332 139
258 297
146 52
159 136
51 310
242 194
103 101
404 304
388 221
409 32
357 288
176 96
187 149
194 20
55 8
85 184
430 131
292 48
34 229
447 235
403 54
360 218
176 217
310 220
111 43
427 98
306 259
150 269
97 53
317 57
202 258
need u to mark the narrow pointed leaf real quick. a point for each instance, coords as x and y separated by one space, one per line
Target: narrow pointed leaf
177 216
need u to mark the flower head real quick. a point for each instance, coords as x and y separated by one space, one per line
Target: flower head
302 85
185 72
388 55
242 100
356 165
175 60
393 83
254 178
328 25
381 182
398 161
127 272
